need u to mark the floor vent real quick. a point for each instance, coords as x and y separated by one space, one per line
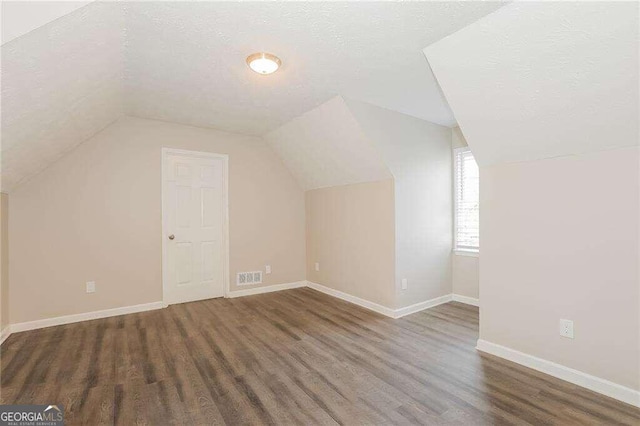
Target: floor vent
249 278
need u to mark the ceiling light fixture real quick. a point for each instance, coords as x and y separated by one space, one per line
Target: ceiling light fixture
264 63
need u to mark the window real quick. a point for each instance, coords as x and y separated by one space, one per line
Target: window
466 202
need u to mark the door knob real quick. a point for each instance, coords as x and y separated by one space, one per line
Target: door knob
171 237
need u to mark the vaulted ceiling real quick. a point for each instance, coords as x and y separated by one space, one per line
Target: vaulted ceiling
327 147
344 142
61 83
184 62
543 79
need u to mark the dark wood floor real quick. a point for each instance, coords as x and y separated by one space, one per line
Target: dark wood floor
293 357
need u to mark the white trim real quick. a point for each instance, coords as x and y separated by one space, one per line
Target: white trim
5 333
195 154
412 309
225 224
465 299
391 313
87 316
353 299
68 319
596 384
456 250
462 252
225 207
266 289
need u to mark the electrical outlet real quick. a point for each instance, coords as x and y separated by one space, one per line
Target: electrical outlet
91 286
317 266
267 269
405 283
566 328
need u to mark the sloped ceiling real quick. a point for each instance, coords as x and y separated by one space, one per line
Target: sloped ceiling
542 79
344 141
326 147
184 62
402 140
61 83
20 17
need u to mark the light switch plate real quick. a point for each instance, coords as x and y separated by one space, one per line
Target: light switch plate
91 286
267 269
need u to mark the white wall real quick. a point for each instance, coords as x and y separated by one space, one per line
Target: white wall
546 94
418 153
560 240
95 215
465 275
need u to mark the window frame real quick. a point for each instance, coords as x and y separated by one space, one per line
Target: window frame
459 251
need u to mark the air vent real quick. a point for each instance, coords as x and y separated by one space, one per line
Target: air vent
249 278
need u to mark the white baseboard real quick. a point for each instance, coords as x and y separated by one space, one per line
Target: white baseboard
5 333
384 310
465 299
570 375
266 289
353 299
68 319
412 309
596 384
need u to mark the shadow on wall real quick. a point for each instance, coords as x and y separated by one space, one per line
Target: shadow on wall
342 144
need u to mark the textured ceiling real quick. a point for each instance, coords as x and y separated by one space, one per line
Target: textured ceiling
344 142
542 79
61 83
20 17
326 147
184 62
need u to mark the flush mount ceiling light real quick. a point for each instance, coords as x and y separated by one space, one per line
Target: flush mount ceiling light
264 63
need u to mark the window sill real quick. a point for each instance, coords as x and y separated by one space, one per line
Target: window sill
471 253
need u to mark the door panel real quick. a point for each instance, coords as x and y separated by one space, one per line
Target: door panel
184 254
183 206
193 213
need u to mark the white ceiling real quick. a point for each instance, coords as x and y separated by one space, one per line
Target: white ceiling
327 147
345 142
20 17
184 62
61 83
543 79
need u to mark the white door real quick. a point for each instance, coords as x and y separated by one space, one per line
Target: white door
194 214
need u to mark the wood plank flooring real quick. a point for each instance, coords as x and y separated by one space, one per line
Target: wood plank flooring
292 357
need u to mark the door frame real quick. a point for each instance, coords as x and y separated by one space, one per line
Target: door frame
166 152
